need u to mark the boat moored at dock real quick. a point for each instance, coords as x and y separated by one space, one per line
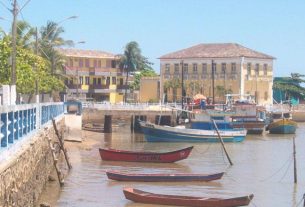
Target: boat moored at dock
157 133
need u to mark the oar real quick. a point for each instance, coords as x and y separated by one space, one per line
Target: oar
221 141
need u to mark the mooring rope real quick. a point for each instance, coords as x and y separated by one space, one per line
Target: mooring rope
276 172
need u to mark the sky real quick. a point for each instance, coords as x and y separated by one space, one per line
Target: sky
274 27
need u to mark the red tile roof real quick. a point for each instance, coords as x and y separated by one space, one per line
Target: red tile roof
217 50
85 53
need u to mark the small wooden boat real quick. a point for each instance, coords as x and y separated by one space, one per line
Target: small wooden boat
282 124
93 127
175 200
140 156
157 133
181 177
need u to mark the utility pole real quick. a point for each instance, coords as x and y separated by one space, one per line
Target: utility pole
14 49
294 162
35 66
182 83
213 79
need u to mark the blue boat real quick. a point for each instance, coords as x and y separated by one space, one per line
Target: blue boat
281 123
157 133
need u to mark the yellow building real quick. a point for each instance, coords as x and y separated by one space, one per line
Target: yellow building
237 70
94 75
149 89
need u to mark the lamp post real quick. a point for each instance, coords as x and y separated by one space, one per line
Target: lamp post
14 50
213 80
51 58
182 83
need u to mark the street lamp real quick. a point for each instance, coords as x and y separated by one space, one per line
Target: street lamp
58 23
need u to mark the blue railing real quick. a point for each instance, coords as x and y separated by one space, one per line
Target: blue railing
18 121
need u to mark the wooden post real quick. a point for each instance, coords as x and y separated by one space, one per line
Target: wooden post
108 124
223 146
61 144
294 162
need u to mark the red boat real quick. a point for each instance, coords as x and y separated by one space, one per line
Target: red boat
181 177
175 200
139 156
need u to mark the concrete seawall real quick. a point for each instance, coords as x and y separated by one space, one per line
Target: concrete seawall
25 173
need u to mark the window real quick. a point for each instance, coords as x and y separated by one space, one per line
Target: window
71 62
194 67
87 63
99 81
81 80
114 80
167 68
249 68
113 64
95 63
185 68
80 63
87 80
223 67
99 63
204 68
266 96
233 68
256 69
265 69
94 81
108 81
176 68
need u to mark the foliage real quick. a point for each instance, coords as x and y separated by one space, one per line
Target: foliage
26 75
291 86
132 60
49 41
194 86
147 72
173 84
222 91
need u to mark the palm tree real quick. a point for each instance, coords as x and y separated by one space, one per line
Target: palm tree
132 60
175 84
25 35
49 41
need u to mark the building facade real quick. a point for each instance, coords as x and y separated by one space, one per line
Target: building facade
149 89
237 70
94 75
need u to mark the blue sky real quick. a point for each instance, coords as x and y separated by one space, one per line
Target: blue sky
275 27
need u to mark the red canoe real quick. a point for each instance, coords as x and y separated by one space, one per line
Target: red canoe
181 177
138 156
175 200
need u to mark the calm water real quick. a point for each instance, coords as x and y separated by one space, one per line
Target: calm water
263 166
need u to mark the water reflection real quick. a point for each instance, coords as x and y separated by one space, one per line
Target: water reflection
262 166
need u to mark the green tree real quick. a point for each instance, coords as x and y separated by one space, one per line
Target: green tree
147 72
131 61
194 87
291 86
51 38
26 76
175 84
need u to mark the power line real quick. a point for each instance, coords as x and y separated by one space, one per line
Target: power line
3 4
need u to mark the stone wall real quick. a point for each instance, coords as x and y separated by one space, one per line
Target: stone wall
24 175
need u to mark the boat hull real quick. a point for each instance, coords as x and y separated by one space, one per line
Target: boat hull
175 200
156 157
156 133
118 176
283 126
